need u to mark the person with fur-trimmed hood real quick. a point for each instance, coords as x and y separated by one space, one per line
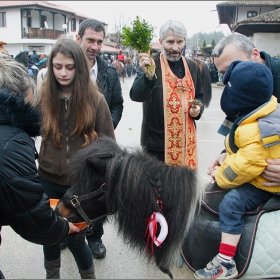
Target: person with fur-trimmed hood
23 204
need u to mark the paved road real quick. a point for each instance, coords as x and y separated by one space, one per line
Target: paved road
20 259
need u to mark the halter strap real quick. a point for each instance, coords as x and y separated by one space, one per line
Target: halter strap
76 202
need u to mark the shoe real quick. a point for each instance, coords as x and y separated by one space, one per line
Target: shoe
63 245
217 269
98 249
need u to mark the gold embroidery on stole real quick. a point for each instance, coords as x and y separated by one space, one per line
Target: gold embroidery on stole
179 128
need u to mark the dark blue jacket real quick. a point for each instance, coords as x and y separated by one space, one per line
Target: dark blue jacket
35 58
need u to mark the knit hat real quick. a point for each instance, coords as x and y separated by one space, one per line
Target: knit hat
34 50
248 85
25 51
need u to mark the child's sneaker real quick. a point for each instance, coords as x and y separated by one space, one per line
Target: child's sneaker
217 269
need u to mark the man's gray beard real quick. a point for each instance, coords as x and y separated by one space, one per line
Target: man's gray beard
168 57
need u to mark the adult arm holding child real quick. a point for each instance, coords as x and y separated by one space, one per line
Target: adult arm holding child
272 173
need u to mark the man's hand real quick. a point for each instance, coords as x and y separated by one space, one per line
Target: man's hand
216 163
194 111
272 173
72 228
213 174
145 61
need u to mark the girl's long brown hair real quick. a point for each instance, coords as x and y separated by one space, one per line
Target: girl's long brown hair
82 100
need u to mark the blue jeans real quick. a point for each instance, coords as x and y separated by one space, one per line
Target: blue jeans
75 242
236 202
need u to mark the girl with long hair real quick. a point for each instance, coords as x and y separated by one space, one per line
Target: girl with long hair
74 113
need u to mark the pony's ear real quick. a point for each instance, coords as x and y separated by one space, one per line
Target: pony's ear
99 161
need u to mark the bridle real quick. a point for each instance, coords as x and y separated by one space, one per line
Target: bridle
76 202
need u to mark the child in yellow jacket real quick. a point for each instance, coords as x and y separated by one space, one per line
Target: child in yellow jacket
254 137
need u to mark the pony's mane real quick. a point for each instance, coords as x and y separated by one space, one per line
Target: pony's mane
134 181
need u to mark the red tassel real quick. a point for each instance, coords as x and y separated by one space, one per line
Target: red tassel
152 220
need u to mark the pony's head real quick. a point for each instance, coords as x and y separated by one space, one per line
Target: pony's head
87 176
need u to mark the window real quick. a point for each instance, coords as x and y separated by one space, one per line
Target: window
38 48
252 14
73 25
3 19
43 19
29 18
29 22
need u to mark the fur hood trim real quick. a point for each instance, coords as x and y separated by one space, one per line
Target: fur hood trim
17 113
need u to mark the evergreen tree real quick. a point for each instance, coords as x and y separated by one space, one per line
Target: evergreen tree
203 46
204 43
208 37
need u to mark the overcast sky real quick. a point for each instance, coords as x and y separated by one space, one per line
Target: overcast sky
195 15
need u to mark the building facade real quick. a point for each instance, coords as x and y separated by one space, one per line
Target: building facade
25 25
259 20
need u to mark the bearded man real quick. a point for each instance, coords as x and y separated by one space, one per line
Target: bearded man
167 90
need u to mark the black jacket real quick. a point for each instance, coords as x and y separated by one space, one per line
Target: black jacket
108 83
152 132
273 63
23 205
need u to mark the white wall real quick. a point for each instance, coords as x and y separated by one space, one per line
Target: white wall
242 11
12 32
261 40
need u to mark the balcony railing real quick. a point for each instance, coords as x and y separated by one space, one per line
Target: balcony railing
41 33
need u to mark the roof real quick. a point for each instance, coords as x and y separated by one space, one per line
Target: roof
227 10
270 17
109 50
43 4
249 3
156 46
267 22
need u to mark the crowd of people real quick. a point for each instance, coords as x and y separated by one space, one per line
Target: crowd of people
125 65
76 95
34 62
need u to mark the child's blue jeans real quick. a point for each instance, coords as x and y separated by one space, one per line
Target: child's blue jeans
236 202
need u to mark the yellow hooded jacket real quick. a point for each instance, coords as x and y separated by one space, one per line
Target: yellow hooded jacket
247 164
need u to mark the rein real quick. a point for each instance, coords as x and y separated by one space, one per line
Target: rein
76 202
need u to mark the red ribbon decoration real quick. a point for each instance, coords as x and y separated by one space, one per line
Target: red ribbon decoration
152 220
151 237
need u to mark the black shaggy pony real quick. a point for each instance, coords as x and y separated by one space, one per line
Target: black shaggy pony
136 185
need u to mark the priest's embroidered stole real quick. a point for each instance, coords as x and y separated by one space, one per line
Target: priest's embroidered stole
180 132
